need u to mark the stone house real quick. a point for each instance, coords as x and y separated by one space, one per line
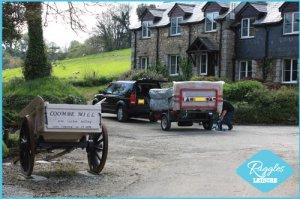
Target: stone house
222 39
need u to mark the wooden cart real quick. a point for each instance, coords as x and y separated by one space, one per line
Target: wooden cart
62 126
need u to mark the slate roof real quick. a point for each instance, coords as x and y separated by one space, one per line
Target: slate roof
187 8
157 12
224 4
210 45
270 8
260 6
273 14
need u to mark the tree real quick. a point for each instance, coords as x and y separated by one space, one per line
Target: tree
36 65
13 21
142 7
113 28
15 14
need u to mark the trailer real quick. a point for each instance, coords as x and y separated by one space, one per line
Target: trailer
48 126
187 103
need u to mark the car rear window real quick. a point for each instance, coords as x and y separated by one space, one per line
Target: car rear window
143 88
117 88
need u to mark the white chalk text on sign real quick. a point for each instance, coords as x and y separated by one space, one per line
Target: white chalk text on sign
64 118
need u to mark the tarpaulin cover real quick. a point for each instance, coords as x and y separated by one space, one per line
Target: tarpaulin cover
161 99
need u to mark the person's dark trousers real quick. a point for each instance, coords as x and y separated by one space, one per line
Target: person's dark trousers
227 119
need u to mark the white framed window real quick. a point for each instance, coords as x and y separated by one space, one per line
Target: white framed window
291 23
145 29
174 65
203 64
245 69
247 28
210 23
290 71
144 63
175 26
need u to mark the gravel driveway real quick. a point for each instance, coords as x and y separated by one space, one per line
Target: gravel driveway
143 160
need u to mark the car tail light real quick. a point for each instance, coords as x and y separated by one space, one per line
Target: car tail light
132 98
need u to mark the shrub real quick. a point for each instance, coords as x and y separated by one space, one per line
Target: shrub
139 74
209 78
5 150
277 106
160 69
186 69
239 90
98 81
18 93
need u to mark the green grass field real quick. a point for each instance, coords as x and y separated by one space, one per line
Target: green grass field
104 64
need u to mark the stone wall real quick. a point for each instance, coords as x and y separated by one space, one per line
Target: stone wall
177 45
227 51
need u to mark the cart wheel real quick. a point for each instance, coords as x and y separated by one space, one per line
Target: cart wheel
165 122
27 148
97 155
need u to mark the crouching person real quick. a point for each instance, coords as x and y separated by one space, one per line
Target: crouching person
227 114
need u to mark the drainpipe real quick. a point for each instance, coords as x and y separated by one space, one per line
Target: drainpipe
134 55
266 55
220 48
190 37
235 51
157 46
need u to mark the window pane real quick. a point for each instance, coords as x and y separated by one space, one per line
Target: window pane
179 20
244 27
287 23
173 65
203 64
209 22
214 22
295 70
178 64
243 66
173 26
243 75
287 70
208 25
249 69
144 29
173 31
296 22
287 64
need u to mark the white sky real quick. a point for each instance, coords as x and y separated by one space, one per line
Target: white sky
59 32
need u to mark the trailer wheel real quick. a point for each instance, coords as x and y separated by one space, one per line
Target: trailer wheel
165 122
98 153
207 125
27 148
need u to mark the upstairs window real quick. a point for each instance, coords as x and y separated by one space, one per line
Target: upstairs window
247 28
146 29
210 23
291 23
245 69
289 71
175 26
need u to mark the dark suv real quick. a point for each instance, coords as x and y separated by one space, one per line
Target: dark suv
128 99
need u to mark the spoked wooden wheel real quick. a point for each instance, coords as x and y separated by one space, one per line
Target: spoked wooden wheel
27 149
97 154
